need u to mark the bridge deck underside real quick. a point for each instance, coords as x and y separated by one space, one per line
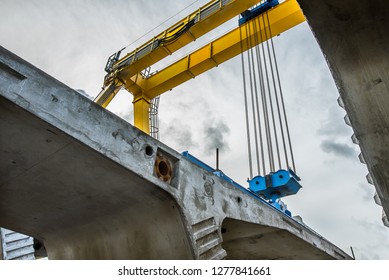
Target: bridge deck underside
353 36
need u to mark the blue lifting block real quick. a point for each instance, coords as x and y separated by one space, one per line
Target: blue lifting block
275 185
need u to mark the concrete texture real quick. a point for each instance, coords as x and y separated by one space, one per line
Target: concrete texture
353 36
91 186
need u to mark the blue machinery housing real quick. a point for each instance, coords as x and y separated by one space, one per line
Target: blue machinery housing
250 14
269 188
275 185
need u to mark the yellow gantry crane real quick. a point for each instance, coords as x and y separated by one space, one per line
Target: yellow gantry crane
126 72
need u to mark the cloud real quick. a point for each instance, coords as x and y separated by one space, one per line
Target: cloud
376 249
83 92
334 124
178 135
127 116
338 149
334 127
215 135
367 191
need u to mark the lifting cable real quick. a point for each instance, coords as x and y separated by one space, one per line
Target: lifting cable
283 105
266 120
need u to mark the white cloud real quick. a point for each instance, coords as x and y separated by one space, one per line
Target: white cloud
338 149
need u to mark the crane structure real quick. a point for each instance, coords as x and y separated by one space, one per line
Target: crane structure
269 17
126 72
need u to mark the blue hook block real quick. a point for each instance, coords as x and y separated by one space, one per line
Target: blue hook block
275 185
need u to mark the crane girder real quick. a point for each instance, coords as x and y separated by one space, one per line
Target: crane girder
185 31
126 72
281 18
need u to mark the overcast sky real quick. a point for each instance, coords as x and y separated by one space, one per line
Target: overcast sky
72 39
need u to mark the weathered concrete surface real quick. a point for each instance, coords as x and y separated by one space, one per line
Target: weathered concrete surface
353 36
83 181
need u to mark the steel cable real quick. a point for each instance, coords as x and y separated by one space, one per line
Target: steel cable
270 92
254 93
246 108
262 86
266 114
282 103
265 105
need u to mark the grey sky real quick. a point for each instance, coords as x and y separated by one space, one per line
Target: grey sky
338 149
72 39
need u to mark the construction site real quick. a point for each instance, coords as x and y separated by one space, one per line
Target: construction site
222 129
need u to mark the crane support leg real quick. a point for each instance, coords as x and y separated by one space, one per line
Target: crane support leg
141 113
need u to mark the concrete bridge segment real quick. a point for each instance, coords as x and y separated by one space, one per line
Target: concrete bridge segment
91 186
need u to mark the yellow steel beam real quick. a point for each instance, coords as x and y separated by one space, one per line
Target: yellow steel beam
108 93
205 19
282 17
126 70
141 103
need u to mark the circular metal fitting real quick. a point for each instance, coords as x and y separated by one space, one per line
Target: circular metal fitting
163 168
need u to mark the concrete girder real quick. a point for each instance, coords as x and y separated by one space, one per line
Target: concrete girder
353 38
91 186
